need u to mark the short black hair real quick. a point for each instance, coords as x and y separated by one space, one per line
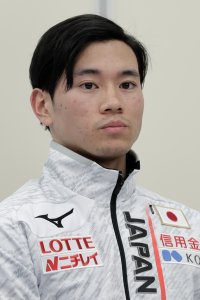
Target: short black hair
58 49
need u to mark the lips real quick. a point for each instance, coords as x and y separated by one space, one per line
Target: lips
114 124
114 127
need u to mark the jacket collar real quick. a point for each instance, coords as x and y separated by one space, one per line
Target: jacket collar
132 161
66 169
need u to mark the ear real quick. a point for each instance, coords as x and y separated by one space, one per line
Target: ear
41 103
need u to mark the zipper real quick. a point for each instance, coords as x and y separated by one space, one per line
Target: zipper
113 211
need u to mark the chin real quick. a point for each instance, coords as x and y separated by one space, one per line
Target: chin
108 152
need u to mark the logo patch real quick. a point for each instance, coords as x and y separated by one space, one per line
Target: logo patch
179 241
142 268
46 219
56 221
172 217
171 255
65 253
180 257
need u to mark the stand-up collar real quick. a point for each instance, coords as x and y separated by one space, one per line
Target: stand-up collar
66 169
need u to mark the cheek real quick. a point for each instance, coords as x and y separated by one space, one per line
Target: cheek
81 111
79 117
75 107
141 110
137 107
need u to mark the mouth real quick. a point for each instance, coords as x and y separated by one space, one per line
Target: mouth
114 127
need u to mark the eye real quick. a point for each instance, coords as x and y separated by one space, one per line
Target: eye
127 85
88 86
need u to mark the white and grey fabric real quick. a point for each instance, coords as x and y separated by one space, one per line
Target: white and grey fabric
81 232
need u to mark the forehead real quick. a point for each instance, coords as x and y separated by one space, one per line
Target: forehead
106 54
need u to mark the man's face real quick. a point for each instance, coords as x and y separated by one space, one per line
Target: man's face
100 116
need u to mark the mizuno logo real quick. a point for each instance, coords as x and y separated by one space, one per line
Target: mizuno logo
56 221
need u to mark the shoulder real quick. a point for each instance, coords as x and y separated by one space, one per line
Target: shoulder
156 199
12 227
28 193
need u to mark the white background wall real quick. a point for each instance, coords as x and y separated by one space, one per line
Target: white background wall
169 144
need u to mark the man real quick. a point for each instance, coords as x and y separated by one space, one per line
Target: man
84 230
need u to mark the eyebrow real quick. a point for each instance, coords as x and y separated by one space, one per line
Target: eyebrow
128 72
131 72
86 72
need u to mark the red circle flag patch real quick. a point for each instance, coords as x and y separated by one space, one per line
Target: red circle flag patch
171 216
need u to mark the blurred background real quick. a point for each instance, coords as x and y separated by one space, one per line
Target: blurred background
169 144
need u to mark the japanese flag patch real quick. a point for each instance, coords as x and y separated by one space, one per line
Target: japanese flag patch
172 216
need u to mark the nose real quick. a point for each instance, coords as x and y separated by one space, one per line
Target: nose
111 102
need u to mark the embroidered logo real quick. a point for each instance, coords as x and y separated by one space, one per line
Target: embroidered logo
179 242
183 257
143 269
56 221
67 253
179 249
172 217
171 255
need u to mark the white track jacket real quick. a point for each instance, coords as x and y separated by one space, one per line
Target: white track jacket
81 232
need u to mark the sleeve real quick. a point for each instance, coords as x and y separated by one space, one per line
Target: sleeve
17 277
